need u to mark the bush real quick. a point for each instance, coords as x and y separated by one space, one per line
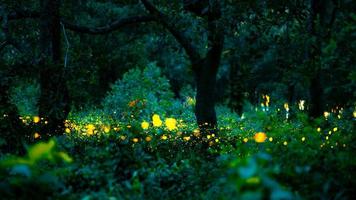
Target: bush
140 94
25 94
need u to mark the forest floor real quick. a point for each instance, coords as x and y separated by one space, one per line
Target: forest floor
262 155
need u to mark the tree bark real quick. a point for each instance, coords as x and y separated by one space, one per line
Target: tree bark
205 74
236 96
316 92
54 99
205 99
315 89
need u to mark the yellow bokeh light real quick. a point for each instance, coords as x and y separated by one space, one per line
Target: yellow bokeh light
135 140
67 130
196 133
303 139
267 100
326 114
286 106
90 129
318 129
285 143
156 120
148 139
36 135
36 119
245 140
260 137
335 129
301 104
164 137
171 124
145 125
106 129
270 139
186 138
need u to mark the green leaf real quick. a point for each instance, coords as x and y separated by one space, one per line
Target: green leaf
65 157
41 150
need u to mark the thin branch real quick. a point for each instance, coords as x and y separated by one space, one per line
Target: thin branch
67 48
190 49
108 28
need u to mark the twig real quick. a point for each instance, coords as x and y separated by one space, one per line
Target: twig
67 48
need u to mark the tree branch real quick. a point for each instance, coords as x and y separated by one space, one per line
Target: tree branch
108 28
21 14
190 49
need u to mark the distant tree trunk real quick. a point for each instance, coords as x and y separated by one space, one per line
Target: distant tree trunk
53 102
236 97
313 53
316 91
291 93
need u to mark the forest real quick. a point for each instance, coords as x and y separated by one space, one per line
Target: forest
177 99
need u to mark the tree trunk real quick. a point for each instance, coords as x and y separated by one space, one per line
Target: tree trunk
236 96
316 92
54 99
205 99
312 56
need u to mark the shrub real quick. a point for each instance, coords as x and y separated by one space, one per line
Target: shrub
139 94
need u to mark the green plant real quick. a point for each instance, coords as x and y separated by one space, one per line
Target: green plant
35 175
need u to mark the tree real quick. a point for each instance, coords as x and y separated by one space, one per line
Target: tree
319 19
54 99
204 67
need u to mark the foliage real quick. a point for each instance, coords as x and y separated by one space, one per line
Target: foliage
139 94
248 178
34 175
25 96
